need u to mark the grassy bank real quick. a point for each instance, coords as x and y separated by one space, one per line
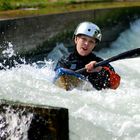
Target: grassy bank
15 8
16 4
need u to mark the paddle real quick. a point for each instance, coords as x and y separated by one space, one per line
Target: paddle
128 54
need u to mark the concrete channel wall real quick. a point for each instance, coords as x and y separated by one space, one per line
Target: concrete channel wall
29 33
33 122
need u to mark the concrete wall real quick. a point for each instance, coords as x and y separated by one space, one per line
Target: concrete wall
29 33
36 122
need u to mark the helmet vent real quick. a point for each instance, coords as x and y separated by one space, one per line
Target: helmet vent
89 30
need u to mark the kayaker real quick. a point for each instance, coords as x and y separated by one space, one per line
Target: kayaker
86 37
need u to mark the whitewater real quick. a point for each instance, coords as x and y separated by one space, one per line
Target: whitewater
93 115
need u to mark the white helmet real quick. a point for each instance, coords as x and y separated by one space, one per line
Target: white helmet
89 29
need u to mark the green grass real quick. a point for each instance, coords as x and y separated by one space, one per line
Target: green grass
16 8
16 4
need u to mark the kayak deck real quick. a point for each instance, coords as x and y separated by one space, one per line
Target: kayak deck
68 79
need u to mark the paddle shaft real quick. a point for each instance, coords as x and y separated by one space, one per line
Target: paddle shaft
128 54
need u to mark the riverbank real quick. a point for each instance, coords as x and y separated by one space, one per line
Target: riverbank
53 8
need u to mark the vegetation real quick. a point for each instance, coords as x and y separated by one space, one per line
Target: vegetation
19 8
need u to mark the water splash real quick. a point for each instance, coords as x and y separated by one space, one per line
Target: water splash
14 125
9 51
9 58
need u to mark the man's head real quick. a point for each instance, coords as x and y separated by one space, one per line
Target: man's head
86 36
89 29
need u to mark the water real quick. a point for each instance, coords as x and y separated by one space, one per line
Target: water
14 126
93 115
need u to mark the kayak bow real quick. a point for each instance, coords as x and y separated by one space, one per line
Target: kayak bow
68 79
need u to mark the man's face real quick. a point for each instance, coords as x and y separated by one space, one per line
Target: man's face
84 44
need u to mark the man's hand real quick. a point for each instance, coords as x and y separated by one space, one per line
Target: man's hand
90 67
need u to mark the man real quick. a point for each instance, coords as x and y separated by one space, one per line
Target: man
86 36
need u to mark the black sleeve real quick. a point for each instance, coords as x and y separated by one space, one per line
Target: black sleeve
99 80
98 59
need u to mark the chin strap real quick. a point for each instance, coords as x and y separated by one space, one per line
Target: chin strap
114 78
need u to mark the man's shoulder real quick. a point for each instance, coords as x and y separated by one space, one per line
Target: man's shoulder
69 56
95 57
